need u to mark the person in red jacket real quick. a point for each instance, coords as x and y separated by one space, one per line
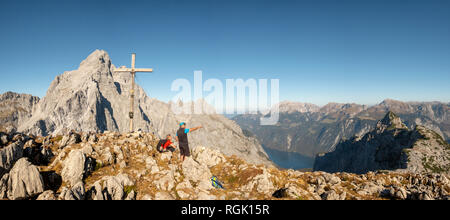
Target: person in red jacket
166 145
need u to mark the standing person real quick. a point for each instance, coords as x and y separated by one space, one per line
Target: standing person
183 140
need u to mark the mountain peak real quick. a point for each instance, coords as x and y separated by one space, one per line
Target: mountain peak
391 121
96 58
291 107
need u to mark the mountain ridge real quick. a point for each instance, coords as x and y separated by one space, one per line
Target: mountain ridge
309 133
390 146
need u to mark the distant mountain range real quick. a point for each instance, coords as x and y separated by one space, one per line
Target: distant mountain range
309 129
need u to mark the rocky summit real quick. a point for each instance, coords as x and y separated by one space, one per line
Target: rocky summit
94 98
115 166
390 146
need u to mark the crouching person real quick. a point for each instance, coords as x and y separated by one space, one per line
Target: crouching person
166 145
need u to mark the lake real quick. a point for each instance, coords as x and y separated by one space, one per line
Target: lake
289 160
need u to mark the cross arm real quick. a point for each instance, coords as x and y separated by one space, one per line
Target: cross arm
133 70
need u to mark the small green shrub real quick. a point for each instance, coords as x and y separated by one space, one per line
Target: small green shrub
128 189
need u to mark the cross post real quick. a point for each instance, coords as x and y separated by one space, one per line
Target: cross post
133 71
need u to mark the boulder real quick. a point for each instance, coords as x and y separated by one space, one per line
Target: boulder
262 183
95 192
74 167
165 156
369 188
9 155
93 138
150 164
87 150
332 195
3 139
395 192
71 138
107 158
47 195
166 182
4 186
209 157
24 181
78 191
198 173
66 194
185 190
131 195
332 179
113 188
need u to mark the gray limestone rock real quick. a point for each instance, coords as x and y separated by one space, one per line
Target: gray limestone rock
47 195
15 109
24 181
9 155
73 167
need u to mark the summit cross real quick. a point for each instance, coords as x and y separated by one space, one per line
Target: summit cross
133 72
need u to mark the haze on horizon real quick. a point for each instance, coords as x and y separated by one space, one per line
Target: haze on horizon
321 51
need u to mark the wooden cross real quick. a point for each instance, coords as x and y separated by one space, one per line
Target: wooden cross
133 71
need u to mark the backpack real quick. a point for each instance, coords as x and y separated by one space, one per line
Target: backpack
160 144
216 183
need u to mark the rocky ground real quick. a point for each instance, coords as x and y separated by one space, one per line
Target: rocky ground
114 166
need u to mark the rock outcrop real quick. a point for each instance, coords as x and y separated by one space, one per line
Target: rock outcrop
112 188
90 98
47 195
24 181
390 146
9 155
197 173
15 109
74 167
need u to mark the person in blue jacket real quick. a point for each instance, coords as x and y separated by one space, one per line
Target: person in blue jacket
182 139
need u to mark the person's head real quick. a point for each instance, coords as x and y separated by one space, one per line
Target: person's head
182 125
169 137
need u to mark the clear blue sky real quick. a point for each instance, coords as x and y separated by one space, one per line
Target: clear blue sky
322 51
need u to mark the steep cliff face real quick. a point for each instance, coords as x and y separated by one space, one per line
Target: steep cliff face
390 146
15 109
94 98
309 130
90 98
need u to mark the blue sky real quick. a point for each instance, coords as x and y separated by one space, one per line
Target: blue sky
322 51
